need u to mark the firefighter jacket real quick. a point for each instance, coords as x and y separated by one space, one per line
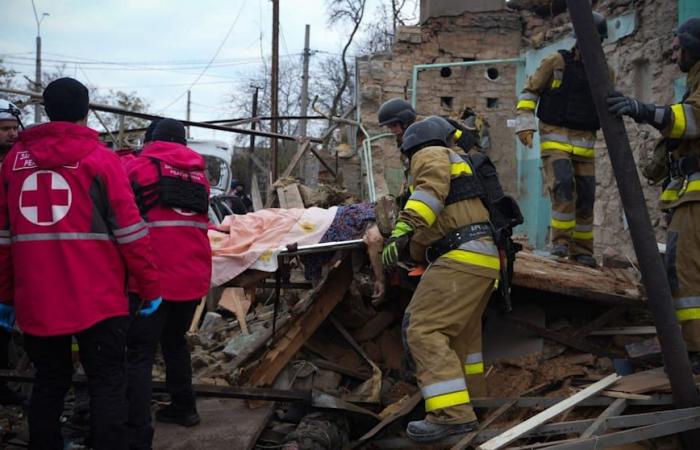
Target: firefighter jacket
69 231
683 127
178 237
545 82
432 170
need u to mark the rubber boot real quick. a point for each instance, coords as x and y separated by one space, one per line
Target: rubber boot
424 431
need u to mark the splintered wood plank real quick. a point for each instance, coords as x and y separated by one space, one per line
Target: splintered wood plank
302 327
598 427
540 419
290 197
567 278
238 302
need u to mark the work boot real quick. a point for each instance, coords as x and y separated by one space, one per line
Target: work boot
560 250
424 431
586 260
186 417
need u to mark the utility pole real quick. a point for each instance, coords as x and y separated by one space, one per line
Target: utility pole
37 76
274 88
189 106
673 349
310 168
251 150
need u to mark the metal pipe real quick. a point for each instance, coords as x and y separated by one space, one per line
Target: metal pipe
324 247
417 67
643 237
126 112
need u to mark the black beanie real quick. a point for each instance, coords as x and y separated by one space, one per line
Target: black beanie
148 137
170 130
66 100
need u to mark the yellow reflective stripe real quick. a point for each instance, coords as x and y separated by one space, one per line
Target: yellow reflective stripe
670 195
460 168
562 224
526 104
423 210
446 400
74 347
556 83
410 188
474 368
477 259
688 314
576 150
457 134
583 235
678 118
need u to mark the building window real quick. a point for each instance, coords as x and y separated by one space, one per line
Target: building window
446 102
491 102
445 72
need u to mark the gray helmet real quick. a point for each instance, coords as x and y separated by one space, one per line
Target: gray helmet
601 25
421 134
689 35
448 128
396 110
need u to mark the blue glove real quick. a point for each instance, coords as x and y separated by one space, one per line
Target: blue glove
7 316
149 308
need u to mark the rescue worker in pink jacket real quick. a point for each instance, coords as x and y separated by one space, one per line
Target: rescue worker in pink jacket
70 232
172 193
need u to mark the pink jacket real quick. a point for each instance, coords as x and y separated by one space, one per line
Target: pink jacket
179 237
69 231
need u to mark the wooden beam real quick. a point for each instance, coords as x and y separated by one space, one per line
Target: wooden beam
618 331
548 414
598 427
303 147
302 327
289 197
599 322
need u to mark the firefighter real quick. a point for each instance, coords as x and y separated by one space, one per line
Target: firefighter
172 193
10 124
69 234
445 224
397 115
679 123
462 142
568 122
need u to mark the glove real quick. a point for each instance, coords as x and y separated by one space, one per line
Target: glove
7 317
397 243
525 137
149 308
621 105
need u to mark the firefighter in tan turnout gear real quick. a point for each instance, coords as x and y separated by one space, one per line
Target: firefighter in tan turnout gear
559 92
679 123
444 221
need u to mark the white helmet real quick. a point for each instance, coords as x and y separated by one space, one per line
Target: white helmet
8 111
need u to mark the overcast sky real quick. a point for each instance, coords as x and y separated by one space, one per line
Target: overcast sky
158 48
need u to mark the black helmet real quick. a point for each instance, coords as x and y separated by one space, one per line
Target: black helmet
601 25
396 110
689 35
445 124
421 134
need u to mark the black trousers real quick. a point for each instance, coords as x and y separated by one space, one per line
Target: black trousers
4 349
102 354
168 324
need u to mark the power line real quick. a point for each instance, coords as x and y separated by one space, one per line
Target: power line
228 33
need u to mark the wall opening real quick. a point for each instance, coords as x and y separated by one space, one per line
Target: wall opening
445 72
492 73
446 102
491 102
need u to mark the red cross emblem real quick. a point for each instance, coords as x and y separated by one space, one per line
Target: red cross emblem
45 198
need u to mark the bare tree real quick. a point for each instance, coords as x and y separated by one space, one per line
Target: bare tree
341 12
